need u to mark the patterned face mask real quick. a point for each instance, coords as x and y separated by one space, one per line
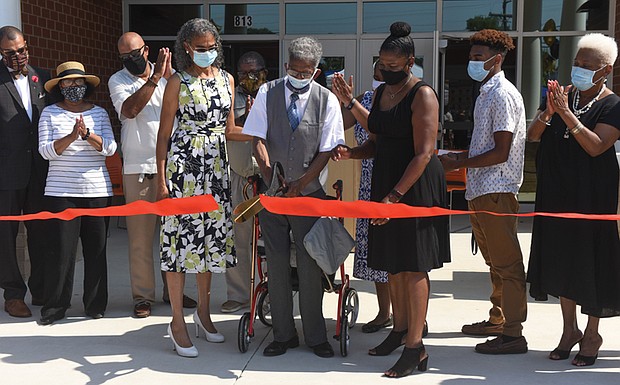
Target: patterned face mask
15 61
74 93
251 85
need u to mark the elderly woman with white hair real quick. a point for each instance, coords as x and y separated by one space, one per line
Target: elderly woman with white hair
578 260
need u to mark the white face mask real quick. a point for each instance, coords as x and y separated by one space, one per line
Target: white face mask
376 84
300 83
476 71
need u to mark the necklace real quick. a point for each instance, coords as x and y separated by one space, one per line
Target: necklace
393 94
580 111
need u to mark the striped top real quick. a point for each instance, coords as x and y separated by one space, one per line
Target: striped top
80 170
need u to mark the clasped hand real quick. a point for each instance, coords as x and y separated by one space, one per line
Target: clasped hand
79 128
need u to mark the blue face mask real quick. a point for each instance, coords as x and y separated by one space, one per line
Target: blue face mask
300 83
205 59
582 78
476 71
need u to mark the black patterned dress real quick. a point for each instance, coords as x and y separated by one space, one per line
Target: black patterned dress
197 165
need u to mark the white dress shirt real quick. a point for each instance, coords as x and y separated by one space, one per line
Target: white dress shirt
23 88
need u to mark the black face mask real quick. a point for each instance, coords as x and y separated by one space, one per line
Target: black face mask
393 77
135 66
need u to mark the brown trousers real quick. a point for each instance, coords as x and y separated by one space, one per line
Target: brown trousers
498 242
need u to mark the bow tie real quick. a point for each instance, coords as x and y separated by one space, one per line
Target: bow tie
24 71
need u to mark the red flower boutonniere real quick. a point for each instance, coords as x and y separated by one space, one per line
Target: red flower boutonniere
35 79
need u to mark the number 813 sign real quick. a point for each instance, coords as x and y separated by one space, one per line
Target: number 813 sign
242 21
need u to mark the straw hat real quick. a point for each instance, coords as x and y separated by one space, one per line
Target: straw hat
71 70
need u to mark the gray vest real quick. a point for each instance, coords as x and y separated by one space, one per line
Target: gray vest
295 150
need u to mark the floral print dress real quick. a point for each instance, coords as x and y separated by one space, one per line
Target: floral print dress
360 264
197 164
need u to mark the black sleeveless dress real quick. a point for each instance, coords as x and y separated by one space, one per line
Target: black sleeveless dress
573 258
407 244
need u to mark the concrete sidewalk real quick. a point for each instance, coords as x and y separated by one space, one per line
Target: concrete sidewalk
119 349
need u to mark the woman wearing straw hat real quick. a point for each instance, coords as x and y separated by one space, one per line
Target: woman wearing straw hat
75 136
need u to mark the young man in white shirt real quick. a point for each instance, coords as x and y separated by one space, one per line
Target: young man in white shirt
494 176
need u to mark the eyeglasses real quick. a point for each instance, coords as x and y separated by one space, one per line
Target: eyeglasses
300 75
251 74
203 50
74 81
135 53
20 51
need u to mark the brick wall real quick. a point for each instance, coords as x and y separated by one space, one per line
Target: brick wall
80 30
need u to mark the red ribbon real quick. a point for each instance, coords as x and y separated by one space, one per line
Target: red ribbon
165 207
302 206
314 207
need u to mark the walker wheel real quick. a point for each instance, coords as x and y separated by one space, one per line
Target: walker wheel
351 307
344 336
244 337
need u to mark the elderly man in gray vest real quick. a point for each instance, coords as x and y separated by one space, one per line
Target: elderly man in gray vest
296 122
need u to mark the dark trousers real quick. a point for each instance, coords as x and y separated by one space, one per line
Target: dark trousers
275 230
61 257
15 202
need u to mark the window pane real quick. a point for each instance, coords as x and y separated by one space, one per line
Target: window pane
161 20
378 16
566 15
321 18
474 15
245 19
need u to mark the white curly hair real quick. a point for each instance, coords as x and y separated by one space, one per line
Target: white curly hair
604 46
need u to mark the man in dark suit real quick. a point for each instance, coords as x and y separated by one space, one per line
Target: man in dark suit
22 170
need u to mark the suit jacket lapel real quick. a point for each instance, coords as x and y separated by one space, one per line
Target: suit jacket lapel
7 80
37 94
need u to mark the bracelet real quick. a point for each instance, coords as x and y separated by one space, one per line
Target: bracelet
577 129
397 194
546 122
150 80
85 137
351 104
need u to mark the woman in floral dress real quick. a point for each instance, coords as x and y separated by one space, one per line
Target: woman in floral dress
192 161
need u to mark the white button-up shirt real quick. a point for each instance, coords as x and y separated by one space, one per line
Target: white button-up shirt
499 107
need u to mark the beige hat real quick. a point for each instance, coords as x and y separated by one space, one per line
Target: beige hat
71 70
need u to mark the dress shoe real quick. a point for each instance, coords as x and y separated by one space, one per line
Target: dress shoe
500 346
189 352
323 350
51 318
231 306
483 328
142 309
17 308
211 337
95 314
278 348
188 302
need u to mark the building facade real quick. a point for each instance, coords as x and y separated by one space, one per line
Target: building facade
351 31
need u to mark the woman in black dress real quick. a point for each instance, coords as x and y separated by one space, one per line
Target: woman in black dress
577 170
403 123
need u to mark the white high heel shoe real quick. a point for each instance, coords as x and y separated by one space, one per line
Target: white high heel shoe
211 337
190 352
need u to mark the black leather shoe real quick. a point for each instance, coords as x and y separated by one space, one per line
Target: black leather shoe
278 348
50 319
95 314
323 350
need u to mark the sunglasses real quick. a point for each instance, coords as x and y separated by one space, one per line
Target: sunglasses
70 82
20 51
203 50
132 54
252 74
